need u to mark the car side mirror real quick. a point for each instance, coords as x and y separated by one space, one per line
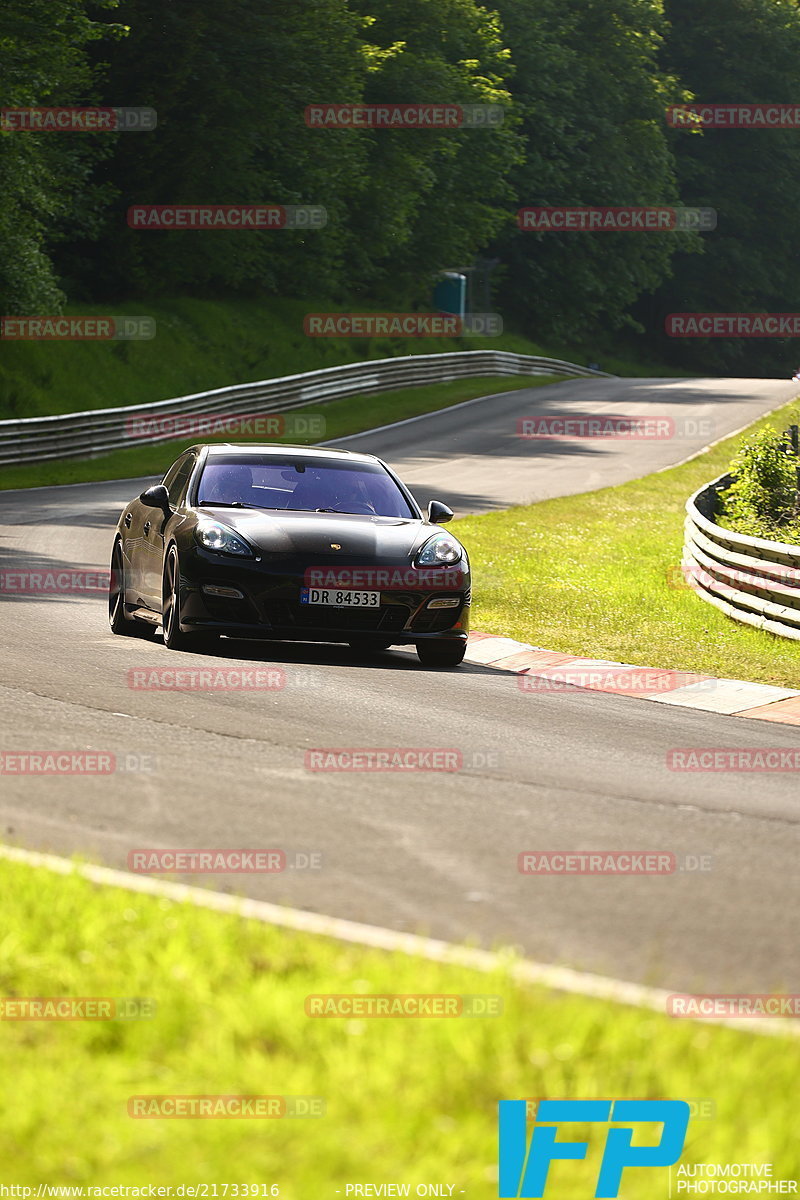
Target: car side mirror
157 496
438 513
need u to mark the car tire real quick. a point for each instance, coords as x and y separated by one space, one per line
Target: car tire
174 639
441 654
119 623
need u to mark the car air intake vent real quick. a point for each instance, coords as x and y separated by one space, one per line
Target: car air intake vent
390 617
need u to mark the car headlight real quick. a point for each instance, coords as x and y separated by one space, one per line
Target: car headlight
441 550
213 535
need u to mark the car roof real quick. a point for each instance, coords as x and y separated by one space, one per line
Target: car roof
278 449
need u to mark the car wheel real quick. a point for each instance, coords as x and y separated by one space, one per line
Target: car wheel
171 606
120 624
441 654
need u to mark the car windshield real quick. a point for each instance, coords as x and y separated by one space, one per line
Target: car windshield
301 485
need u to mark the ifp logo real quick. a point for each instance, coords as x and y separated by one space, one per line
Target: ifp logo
524 1169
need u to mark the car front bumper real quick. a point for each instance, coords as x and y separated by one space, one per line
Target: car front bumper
268 605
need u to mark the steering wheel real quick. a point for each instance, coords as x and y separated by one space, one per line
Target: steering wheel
356 506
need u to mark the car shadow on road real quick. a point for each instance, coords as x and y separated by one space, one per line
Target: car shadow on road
254 650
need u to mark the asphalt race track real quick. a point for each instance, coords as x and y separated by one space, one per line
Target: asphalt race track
475 451
427 852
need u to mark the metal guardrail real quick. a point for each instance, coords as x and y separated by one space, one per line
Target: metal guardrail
749 579
88 434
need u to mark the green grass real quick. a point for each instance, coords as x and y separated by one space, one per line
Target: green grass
342 417
205 344
590 575
199 345
406 1100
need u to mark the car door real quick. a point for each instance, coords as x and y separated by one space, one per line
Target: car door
153 525
133 518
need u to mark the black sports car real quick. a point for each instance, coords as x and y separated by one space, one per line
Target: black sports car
294 543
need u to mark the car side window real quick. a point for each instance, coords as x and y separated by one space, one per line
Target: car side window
172 472
176 483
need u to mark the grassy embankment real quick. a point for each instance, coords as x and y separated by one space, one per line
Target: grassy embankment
598 575
409 1101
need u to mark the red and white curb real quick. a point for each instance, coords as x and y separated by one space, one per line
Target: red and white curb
551 671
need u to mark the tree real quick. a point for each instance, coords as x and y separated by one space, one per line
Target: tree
592 100
737 51
230 84
46 189
435 197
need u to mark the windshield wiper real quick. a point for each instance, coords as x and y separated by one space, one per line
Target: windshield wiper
333 510
225 504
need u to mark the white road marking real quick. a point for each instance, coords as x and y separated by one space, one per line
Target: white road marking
560 979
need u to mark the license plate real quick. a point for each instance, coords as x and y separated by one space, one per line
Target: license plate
334 598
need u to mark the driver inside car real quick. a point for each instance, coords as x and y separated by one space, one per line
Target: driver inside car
230 484
352 496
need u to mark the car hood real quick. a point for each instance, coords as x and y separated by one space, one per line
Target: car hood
361 538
